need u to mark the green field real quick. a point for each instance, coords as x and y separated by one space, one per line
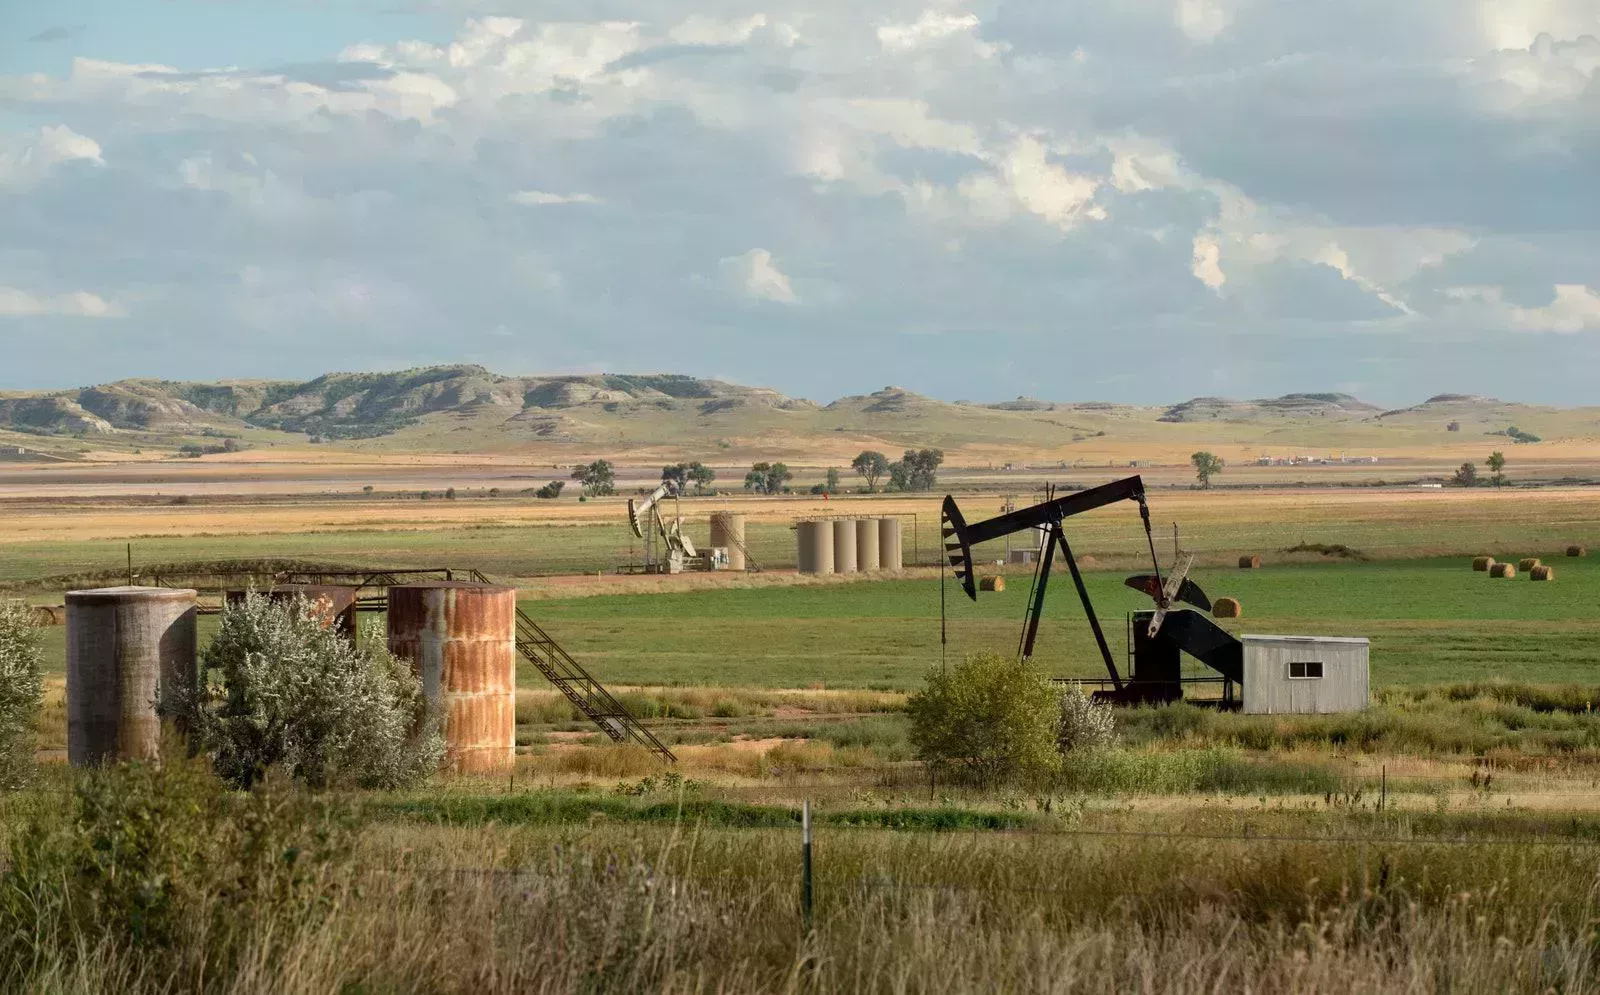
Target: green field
1430 621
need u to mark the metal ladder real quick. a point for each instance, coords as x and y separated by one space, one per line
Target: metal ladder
750 564
588 695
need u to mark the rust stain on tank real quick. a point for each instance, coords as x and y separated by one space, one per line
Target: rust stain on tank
336 604
461 641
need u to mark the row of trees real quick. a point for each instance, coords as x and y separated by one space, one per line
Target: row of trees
916 470
1466 475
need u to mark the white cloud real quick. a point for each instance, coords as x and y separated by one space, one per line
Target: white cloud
16 303
931 26
1207 267
755 275
24 161
1060 197
1202 20
1575 309
539 198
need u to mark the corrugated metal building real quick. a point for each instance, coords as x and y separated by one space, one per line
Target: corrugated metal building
1305 674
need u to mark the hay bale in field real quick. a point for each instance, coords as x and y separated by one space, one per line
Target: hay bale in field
1542 572
1577 551
1482 563
1527 563
1250 561
1226 608
991 583
46 615
1503 570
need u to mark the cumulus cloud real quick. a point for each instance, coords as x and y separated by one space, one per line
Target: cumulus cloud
16 303
755 275
1164 172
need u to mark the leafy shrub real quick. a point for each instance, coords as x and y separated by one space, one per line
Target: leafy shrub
282 688
1085 724
166 866
989 716
21 692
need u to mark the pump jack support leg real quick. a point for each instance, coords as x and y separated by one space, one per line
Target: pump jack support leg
1030 633
1088 608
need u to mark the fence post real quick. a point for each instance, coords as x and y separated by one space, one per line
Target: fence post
805 864
1383 797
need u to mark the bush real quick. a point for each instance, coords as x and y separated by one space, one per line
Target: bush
1085 724
989 716
162 864
21 692
282 688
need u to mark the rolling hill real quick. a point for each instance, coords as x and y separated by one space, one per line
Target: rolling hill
469 409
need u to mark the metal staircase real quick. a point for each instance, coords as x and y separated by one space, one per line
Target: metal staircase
750 563
588 695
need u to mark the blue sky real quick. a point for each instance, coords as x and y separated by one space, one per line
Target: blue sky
1139 200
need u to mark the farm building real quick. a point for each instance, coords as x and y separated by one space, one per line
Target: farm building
1305 674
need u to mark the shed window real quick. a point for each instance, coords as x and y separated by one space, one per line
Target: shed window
1305 670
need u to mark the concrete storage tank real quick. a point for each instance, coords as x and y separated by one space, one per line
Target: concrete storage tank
727 529
815 541
844 546
890 544
337 604
867 552
461 641
125 646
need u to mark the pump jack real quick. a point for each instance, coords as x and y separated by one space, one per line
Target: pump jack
1164 632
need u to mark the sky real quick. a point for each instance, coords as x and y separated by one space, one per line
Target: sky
1125 200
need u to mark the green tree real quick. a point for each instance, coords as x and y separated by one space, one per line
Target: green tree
678 475
831 482
767 478
597 479
21 691
282 688
917 470
1206 465
989 717
872 465
1497 463
551 490
1466 475
701 476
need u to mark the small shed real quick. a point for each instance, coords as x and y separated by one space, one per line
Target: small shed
1305 674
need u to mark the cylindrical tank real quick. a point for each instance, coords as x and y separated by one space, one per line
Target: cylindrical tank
129 651
867 552
890 547
815 541
844 546
337 604
727 529
461 641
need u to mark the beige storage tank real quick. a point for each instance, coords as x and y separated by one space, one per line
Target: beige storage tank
461 641
727 529
867 553
890 544
127 647
844 546
815 542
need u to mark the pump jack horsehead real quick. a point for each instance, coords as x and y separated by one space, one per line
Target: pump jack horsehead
1167 629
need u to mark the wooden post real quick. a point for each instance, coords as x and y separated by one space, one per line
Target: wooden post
805 864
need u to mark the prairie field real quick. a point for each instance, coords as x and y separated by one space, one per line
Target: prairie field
1445 839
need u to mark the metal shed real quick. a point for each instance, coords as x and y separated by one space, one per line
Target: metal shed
1305 674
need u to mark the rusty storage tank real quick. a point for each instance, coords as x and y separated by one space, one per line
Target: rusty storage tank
867 552
844 546
461 641
125 647
727 529
336 603
815 541
890 544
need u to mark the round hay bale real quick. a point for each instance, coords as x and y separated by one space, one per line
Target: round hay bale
1226 608
1250 561
991 583
1527 563
1503 570
47 615
1482 563
1577 551
1542 572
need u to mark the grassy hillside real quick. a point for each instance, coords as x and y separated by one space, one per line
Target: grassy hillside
468 409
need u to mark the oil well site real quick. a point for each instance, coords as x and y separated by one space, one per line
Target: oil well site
1364 710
